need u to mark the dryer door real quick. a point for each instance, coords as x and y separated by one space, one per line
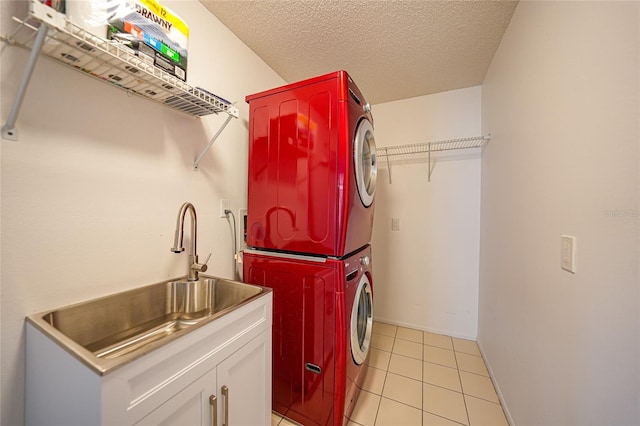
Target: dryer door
361 321
366 166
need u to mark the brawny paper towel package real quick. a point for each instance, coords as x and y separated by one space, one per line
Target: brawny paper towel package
157 34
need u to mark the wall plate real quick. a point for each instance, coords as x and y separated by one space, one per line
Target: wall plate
568 253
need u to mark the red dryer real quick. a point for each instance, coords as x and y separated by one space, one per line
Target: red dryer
312 167
322 324
312 174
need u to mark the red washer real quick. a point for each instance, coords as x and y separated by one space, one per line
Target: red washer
312 167
359 324
322 322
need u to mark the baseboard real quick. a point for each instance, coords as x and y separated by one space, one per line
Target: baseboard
422 328
507 414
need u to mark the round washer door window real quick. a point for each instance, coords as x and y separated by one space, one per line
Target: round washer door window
366 162
361 321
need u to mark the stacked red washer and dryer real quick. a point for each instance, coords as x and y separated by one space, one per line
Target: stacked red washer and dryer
312 174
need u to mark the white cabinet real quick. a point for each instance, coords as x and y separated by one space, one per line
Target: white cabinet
171 385
190 406
243 380
247 381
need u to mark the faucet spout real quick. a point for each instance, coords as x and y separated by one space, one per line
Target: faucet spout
179 234
194 267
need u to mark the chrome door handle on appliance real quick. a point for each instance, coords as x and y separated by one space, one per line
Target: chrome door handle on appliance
225 393
213 401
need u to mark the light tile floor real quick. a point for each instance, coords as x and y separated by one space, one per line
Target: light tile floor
424 379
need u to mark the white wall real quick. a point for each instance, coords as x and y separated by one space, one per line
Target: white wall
426 274
91 191
561 100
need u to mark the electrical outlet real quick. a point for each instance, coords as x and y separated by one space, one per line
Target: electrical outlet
224 205
395 224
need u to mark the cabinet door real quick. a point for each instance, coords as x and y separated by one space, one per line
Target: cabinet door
189 407
246 379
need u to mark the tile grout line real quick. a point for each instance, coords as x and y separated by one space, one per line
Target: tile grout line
443 387
384 382
386 372
395 400
422 380
466 409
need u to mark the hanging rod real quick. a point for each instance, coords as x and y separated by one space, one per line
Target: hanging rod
428 147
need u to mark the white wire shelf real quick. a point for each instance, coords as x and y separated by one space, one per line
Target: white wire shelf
427 148
111 62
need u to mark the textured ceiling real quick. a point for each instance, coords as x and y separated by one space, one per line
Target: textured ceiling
393 49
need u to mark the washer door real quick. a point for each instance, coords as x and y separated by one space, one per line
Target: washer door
361 321
366 162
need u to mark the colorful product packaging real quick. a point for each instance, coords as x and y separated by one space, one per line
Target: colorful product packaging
156 33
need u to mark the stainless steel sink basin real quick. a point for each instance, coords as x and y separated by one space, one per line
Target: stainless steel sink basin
107 332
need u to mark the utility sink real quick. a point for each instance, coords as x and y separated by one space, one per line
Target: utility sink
108 332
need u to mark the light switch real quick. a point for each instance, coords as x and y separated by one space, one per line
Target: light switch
568 253
395 224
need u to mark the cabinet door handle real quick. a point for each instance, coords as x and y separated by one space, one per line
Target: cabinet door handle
213 401
225 393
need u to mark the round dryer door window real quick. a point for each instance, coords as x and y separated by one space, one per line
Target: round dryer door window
361 321
365 162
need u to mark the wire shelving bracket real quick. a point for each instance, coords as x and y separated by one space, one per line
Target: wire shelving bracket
48 32
428 148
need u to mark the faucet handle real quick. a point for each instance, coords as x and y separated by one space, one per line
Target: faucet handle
200 267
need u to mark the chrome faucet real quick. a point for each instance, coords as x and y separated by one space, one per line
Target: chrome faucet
194 267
